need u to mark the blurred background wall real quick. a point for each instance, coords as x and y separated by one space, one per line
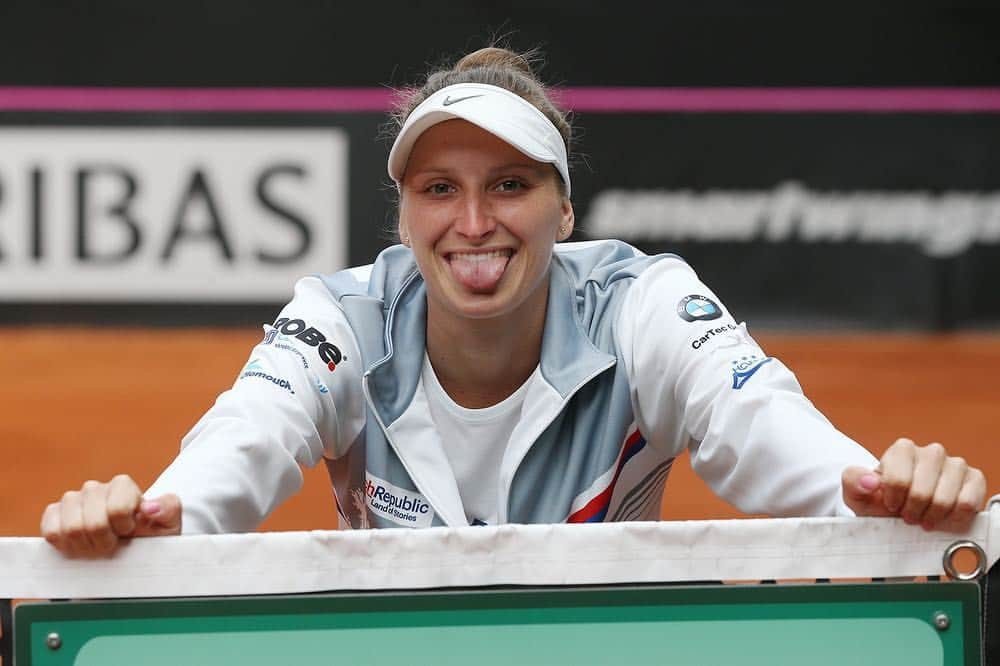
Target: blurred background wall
166 172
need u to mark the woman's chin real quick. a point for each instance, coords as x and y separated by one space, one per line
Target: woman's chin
482 306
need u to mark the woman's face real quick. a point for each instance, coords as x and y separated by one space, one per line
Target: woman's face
481 218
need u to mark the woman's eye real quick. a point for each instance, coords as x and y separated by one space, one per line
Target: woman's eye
439 188
510 186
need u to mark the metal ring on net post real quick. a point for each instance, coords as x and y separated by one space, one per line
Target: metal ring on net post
949 564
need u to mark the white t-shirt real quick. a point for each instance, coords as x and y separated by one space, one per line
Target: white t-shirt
474 441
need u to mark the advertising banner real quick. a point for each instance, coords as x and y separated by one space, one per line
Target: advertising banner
169 213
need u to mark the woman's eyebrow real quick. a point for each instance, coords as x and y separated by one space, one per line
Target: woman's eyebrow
431 171
435 170
529 164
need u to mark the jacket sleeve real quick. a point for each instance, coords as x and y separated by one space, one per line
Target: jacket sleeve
698 379
296 400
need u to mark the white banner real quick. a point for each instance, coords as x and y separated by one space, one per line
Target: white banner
169 214
438 557
942 225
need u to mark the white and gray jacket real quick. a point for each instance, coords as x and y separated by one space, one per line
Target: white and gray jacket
639 362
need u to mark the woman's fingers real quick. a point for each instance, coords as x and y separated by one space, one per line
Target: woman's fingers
926 486
945 498
52 526
160 516
74 535
862 492
971 500
896 470
94 507
92 521
123 500
928 463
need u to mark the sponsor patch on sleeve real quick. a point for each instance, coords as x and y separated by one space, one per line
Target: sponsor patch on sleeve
256 370
746 367
715 335
726 336
298 329
274 339
698 308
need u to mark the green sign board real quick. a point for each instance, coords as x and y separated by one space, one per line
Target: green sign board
889 624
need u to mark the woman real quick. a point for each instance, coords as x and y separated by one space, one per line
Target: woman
478 373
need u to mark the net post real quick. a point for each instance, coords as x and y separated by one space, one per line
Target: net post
6 632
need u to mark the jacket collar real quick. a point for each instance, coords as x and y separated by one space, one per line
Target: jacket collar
568 357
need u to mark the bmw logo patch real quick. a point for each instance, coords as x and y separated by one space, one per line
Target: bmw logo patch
698 308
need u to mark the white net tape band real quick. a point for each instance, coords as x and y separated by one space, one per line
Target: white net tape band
609 553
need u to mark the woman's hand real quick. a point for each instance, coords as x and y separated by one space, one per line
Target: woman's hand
921 484
92 521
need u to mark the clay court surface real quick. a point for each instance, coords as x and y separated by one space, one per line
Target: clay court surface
83 403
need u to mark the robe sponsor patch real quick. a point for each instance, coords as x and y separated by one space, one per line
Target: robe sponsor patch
328 352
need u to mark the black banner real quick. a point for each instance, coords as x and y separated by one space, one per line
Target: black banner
839 209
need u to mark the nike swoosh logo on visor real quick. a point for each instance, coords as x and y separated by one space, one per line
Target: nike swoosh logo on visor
448 101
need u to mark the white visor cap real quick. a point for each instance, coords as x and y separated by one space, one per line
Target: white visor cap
496 110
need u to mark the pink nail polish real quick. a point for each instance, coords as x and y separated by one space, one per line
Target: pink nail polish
869 482
150 508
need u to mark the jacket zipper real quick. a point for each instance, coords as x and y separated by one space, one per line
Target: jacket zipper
371 402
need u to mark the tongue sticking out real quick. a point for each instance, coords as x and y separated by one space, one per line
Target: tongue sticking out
479 273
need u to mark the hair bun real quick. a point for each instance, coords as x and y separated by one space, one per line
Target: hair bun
493 56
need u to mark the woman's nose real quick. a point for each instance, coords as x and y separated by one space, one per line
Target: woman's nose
475 219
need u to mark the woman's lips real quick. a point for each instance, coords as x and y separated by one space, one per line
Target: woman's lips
479 272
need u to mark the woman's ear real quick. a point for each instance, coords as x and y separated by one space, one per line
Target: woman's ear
567 222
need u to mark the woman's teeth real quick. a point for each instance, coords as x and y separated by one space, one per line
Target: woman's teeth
480 256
